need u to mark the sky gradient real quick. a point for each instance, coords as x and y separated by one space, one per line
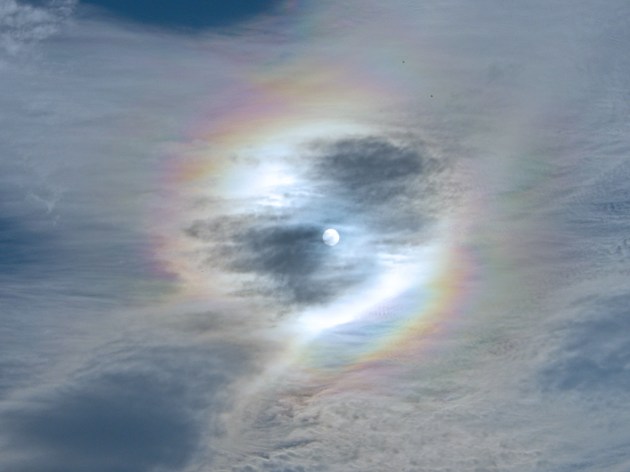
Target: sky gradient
167 170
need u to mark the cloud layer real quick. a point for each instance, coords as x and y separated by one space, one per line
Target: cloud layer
377 194
160 237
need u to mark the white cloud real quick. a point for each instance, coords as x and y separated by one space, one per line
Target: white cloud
23 24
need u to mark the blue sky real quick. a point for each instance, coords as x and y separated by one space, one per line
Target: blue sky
189 14
192 15
166 174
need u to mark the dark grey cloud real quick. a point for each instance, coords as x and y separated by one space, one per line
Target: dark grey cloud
28 239
48 241
596 352
287 259
385 184
22 246
37 253
369 170
129 412
118 427
187 14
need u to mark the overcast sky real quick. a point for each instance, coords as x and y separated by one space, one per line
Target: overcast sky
167 170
